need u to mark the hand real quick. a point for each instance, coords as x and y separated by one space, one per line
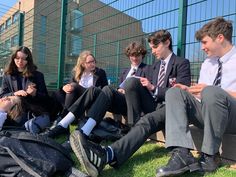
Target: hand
121 90
181 86
196 88
31 90
20 93
146 83
68 88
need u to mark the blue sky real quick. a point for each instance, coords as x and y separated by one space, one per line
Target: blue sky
5 5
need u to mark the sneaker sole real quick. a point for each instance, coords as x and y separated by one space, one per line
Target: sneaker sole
81 155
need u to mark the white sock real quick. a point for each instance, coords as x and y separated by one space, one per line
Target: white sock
88 126
67 120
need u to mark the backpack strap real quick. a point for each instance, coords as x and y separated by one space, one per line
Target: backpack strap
26 136
21 163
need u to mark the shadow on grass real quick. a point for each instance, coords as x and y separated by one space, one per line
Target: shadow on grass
138 159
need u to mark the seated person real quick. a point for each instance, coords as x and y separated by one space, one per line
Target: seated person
85 75
98 101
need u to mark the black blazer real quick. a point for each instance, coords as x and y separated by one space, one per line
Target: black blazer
9 84
178 68
99 78
141 71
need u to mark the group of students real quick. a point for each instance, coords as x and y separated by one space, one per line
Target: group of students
152 97
164 99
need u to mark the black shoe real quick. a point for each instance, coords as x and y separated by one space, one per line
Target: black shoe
56 131
73 172
209 163
179 163
91 156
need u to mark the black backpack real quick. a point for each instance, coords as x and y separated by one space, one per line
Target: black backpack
23 154
107 130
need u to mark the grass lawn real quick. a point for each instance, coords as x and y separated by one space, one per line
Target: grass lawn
145 161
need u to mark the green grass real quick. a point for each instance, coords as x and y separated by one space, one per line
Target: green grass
145 162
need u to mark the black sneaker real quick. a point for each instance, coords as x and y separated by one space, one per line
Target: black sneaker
56 131
179 163
209 163
91 156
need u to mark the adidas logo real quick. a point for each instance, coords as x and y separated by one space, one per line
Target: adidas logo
95 159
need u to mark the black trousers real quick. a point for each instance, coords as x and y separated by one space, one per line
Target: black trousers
139 100
97 102
67 99
136 137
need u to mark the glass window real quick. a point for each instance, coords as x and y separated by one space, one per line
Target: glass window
76 20
42 53
14 41
76 45
15 17
8 23
8 44
43 24
1 28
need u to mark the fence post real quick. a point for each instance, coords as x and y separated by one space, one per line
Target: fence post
61 58
182 20
117 61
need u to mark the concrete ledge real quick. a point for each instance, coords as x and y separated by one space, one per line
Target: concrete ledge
227 150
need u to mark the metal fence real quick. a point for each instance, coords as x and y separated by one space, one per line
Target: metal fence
58 30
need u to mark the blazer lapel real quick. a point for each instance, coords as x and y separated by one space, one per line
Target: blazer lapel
13 83
169 69
155 73
95 78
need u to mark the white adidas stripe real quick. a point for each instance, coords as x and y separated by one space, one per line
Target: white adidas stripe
95 159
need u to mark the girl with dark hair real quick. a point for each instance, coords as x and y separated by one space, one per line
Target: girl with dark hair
21 77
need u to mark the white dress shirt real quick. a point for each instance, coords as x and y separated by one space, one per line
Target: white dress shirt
209 70
86 80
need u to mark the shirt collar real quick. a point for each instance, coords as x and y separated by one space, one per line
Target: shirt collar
228 55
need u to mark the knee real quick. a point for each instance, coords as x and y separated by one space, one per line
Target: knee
211 94
132 83
94 90
107 90
172 93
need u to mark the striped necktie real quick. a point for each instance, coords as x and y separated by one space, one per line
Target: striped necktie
133 72
161 74
217 81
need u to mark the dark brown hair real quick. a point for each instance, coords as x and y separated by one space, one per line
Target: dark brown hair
30 66
215 27
160 36
135 49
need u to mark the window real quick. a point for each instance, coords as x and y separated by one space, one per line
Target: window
76 45
8 23
14 41
8 44
43 25
2 28
15 17
76 20
42 53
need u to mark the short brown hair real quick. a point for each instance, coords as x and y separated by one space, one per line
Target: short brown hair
160 36
215 27
135 49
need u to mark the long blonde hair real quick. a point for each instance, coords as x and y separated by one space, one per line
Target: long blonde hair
79 68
